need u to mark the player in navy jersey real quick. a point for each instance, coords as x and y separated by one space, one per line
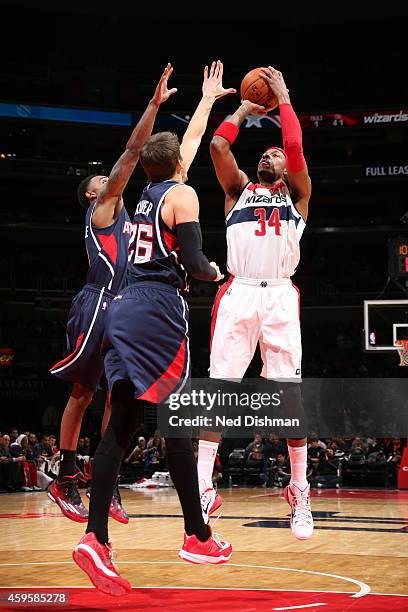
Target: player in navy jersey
107 240
147 341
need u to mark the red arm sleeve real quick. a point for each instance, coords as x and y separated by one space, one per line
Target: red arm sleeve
292 138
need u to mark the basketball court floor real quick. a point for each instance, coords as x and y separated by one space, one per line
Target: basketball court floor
357 559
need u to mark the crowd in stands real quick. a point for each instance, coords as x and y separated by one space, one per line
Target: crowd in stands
332 462
29 463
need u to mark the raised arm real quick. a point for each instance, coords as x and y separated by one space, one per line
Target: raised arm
212 91
184 206
230 177
109 202
296 167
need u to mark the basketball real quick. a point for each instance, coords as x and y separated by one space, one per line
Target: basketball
255 89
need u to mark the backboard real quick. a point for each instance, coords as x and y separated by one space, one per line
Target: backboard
385 322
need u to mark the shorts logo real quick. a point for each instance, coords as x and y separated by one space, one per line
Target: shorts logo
297 373
228 292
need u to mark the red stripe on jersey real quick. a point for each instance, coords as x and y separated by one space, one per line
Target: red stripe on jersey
275 187
221 291
160 389
66 359
170 240
298 292
109 245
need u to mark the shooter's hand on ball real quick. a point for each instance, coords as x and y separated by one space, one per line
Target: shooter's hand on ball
276 82
253 109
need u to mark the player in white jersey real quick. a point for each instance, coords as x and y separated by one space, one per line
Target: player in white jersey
259 303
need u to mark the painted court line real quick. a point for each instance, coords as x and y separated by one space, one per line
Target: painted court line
364 589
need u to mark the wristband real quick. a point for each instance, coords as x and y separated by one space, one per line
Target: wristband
227 130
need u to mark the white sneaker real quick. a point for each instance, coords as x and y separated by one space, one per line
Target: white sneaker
301 520
35 488
26 489
210 502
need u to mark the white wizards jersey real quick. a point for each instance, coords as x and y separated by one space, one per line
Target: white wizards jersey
263 233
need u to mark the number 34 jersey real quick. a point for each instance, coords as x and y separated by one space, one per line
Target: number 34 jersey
263 233
153 248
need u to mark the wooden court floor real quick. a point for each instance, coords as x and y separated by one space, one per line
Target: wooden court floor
360 543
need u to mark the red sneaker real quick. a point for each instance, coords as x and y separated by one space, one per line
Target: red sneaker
116 510
95 559
66 495
210 502
212 551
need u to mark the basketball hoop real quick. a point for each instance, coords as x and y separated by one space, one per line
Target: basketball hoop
402 348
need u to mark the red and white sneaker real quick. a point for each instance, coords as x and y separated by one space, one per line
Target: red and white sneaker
212 551
210 502
116 510
301 520
95 559
66 495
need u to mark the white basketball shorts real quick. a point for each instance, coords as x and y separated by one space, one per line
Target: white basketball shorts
250 310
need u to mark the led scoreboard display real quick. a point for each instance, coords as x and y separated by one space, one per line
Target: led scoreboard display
398 257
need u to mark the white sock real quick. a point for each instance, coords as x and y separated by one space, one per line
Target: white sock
298 466
207 451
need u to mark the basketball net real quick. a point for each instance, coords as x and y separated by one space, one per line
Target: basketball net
402 348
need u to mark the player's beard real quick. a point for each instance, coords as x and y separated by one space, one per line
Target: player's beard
268 176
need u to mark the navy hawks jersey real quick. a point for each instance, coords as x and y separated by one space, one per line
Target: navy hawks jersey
153 246
107 250
263 233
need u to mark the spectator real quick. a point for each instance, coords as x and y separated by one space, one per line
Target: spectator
13 435
155 453
315 452
273 446
28 467
138 454
320 443
327 471
53 444
33 445
358 443
43 448
10 477
281 470
157 441
257 442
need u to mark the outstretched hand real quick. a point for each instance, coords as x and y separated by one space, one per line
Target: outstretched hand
162 93
212 84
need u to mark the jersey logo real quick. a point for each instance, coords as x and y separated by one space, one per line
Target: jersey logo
264 199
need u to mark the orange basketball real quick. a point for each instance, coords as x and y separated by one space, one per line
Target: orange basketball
256 89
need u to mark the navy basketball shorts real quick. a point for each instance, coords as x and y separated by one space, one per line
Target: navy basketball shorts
146 340
87 317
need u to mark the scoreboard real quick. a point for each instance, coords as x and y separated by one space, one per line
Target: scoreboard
398 257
